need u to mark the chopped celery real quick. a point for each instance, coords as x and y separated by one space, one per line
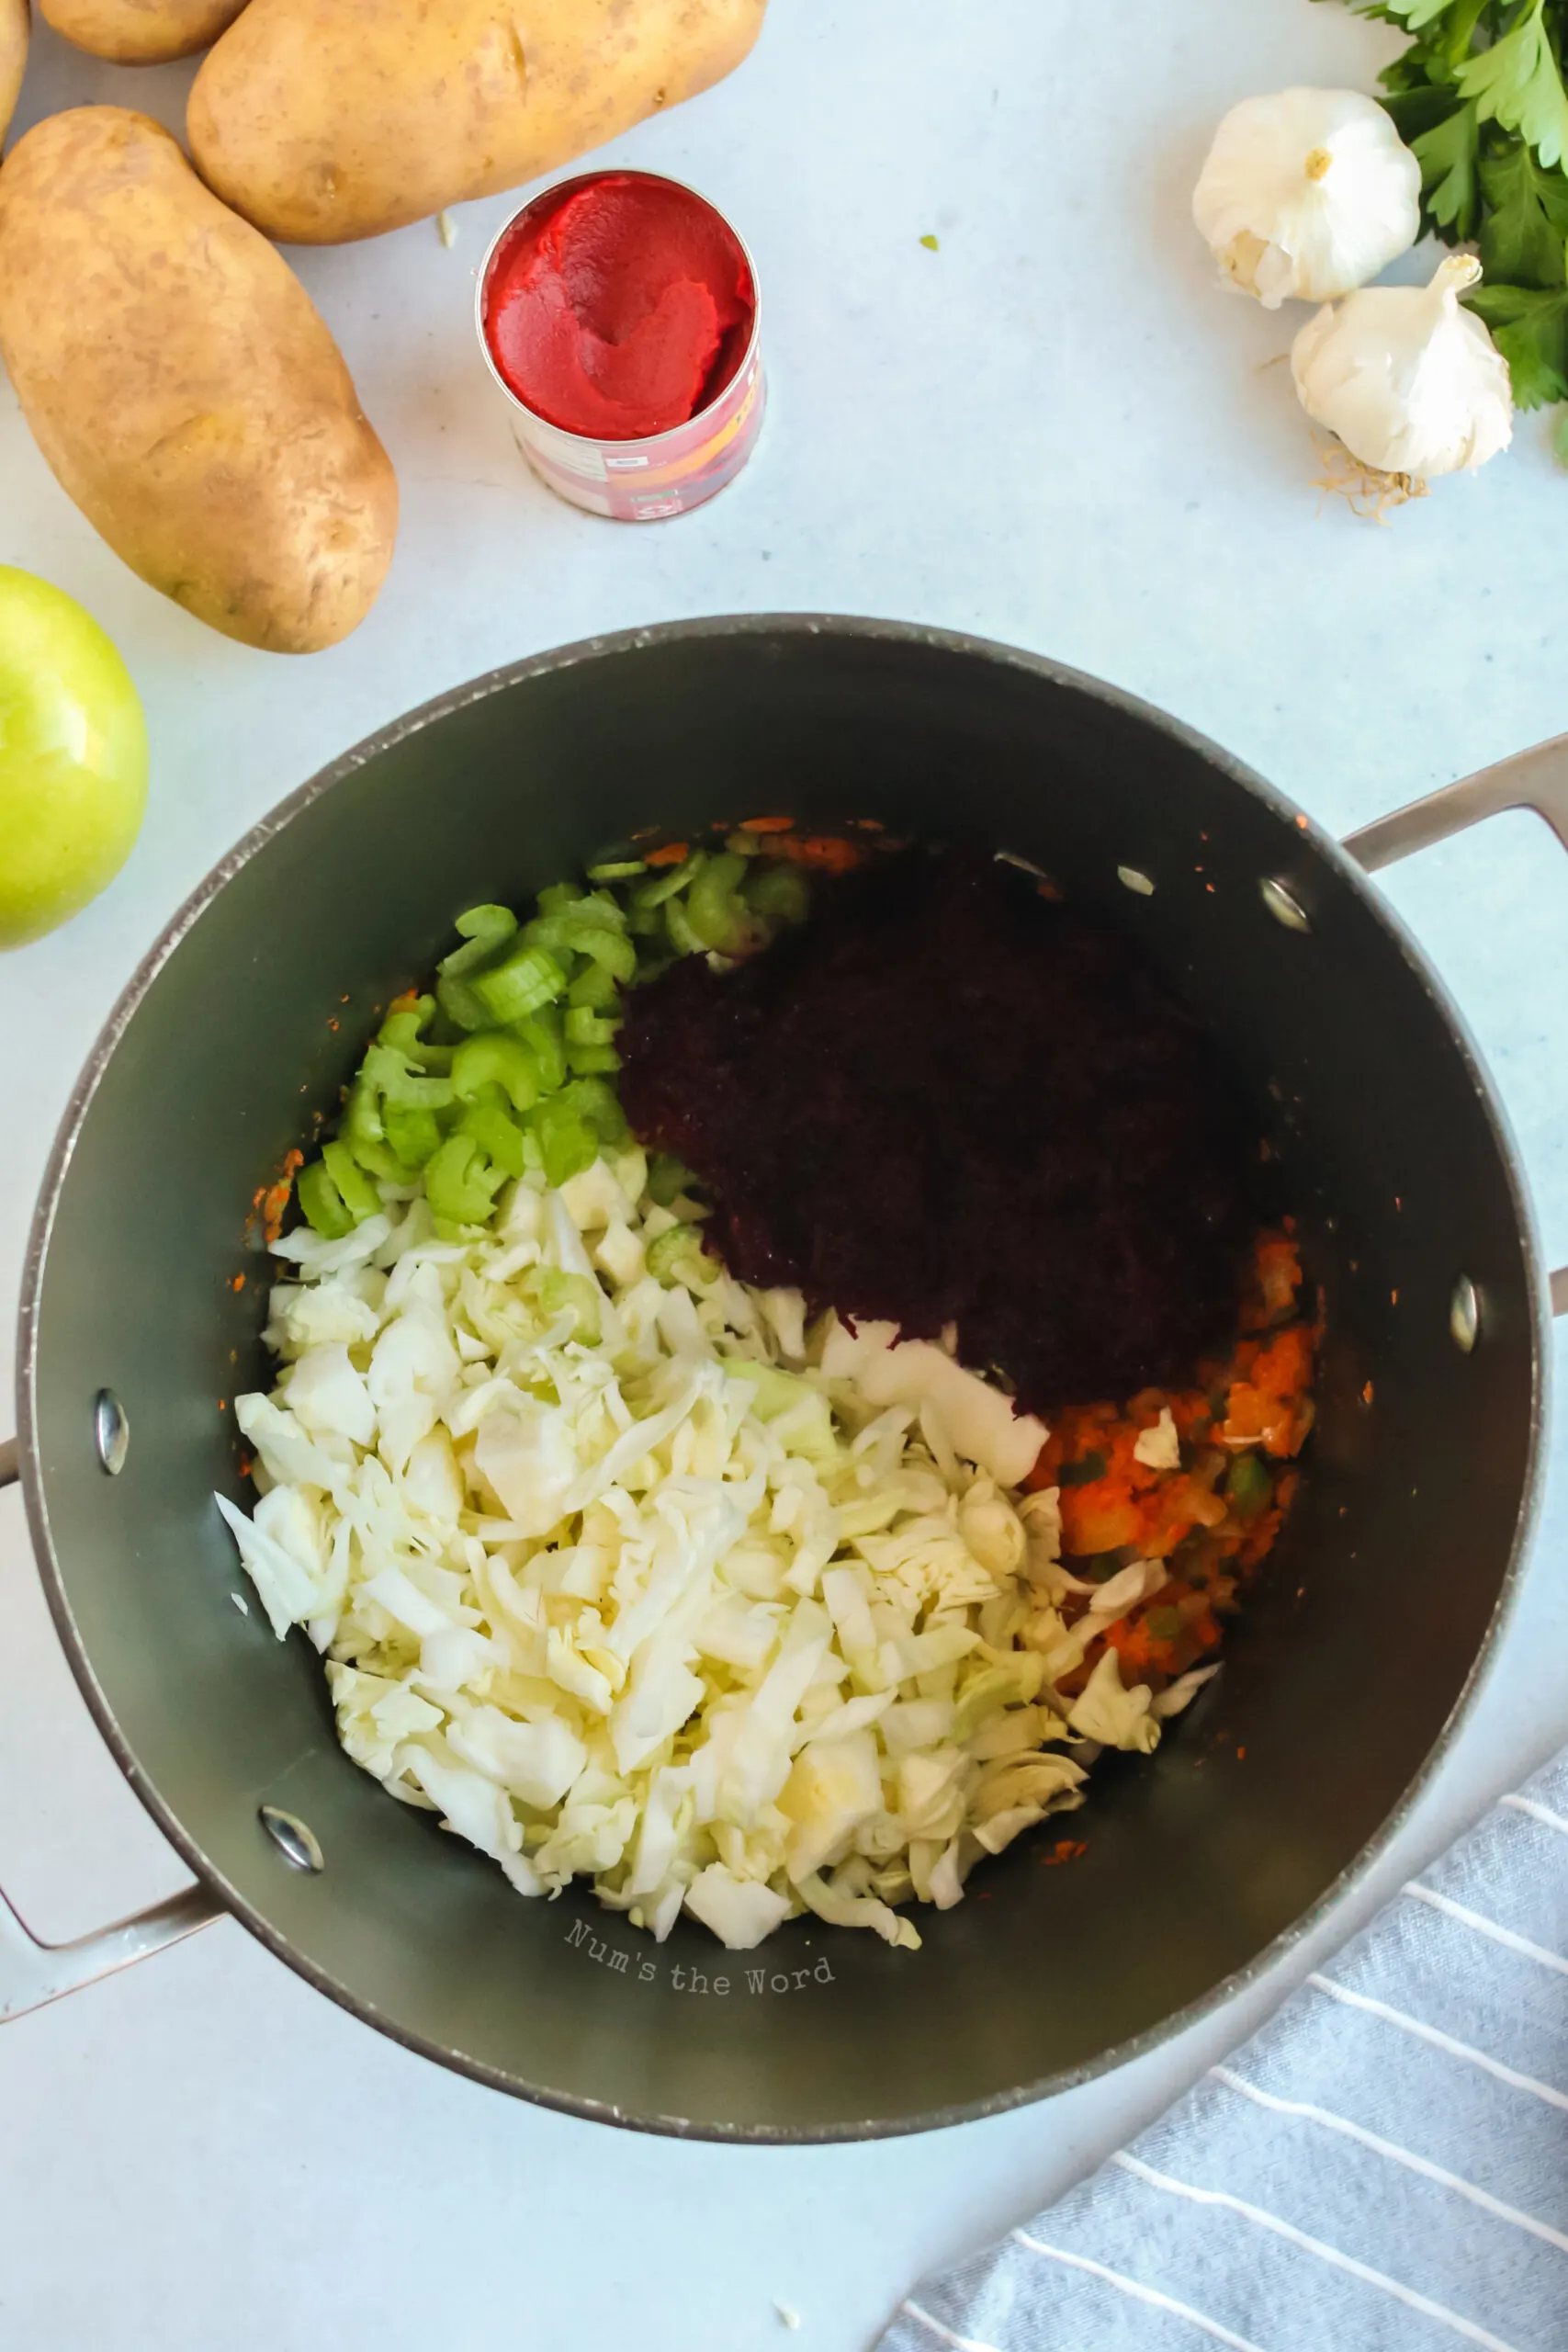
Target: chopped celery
485 930
1249 1487
357 1193
601 909
414 1136
593 986
460 1183
668 881
778 892
528 978
586 1027
678 923
399 1086
541 1032
528 1085
495 1057
364 1133
667 1177
567 1143
599 1104
400 1030
572 934
492 1127
680 1250
715 909
322 1202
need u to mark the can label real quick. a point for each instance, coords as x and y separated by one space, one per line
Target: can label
638 482
644 481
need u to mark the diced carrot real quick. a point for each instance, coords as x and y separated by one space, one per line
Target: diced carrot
1276 1278
1120 1508
1190 1411
766 825
1138 1649
1066 1850
1271 1402
1095 1521
273 1200
1284 1364
1260 1539
1247 1412
829 852
671 853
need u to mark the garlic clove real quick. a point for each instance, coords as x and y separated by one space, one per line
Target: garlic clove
1410 382
1307 193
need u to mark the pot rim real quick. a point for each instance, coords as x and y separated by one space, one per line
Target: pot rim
440 707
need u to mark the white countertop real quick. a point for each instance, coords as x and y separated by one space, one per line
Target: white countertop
1057 431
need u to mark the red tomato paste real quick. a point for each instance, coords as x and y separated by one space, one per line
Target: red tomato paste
621 311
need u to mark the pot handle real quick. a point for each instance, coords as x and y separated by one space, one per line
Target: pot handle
1536 779
32 1972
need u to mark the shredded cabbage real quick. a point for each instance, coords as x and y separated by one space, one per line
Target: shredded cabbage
629 1575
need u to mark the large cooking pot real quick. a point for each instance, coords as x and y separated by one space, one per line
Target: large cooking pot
1405 1543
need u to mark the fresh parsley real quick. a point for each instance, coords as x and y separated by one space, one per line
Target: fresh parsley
1479 97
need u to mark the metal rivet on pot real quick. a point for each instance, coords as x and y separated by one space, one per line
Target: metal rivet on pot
294 1840
111 1432
1283 904
1131 880
1464 1315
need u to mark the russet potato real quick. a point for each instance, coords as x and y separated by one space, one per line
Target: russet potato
184 388
140 32
321 121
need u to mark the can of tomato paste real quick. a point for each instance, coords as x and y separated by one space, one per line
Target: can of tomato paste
619 313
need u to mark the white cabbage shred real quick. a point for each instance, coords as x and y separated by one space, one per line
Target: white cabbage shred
656 1586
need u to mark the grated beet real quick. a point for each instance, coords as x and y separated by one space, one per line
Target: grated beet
944 1100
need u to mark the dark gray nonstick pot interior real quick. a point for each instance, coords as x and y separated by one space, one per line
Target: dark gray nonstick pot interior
1350 1661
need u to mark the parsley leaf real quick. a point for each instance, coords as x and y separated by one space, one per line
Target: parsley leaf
1527 219
1530 327
1478 96
1449 155
1415 13
1517 84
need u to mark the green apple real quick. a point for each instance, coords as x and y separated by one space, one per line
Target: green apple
73 757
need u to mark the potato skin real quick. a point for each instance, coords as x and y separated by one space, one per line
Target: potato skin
184 388
12 55
323 120
141 32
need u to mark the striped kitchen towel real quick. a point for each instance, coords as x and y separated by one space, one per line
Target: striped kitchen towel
1383 2168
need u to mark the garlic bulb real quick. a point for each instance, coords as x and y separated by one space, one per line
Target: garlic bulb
1411 383
1311 192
